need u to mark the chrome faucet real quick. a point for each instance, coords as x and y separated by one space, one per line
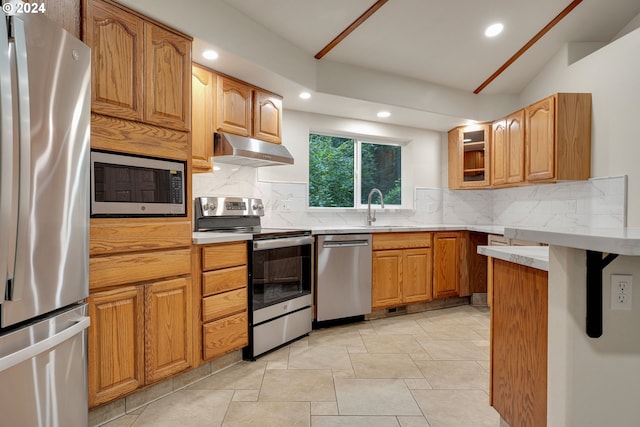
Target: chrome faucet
370 218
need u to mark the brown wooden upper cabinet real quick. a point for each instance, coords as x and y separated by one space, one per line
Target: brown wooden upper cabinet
233 107
507 151
267 116
140 68
245 110
547 141
203 84
469 155
558 138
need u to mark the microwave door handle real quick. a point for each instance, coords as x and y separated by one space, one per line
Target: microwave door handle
22 188
7 226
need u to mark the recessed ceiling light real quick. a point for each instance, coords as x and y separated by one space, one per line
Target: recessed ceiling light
305 95
384 114
210 54
493 30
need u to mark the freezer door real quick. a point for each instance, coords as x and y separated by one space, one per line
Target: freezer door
53 101
43 372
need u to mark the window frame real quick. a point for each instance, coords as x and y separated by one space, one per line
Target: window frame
357 172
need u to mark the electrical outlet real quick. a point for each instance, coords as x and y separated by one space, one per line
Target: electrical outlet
621 291
286 205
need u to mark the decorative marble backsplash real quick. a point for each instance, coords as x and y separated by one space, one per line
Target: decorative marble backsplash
598 202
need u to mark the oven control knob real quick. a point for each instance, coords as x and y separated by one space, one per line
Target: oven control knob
258 207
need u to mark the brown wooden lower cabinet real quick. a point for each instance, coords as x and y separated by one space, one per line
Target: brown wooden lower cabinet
138 335
446 264
519 332
402 269
115 343
168 328
222 319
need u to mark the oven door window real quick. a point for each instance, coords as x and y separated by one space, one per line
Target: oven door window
280 274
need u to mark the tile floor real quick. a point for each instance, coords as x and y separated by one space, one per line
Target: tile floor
428 369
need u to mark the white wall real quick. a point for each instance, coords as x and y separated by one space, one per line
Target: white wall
591 381
421 156
611 75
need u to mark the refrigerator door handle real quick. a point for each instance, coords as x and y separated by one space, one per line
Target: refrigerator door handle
24 147
6 156
43 346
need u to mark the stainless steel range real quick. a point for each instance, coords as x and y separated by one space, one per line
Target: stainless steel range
280 270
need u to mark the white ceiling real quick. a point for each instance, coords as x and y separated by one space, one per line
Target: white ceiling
441 41
428 48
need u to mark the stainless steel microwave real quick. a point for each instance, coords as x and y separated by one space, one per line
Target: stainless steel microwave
129 185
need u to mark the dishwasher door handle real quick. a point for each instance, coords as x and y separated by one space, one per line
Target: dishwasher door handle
345 244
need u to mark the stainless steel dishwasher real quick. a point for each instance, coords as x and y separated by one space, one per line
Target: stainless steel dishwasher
343 287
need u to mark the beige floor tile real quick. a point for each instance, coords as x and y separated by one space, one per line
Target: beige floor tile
320 357
413 422
417 384
281 354
485 364
384 366
246 395
392 344
343 373
482 331
339 336
268 414
374 397
298 385
244 375
324 408
405 325
277 364
124 421
187 408
458 374
459 408
354 421
451 332
454 350
360 348
421 356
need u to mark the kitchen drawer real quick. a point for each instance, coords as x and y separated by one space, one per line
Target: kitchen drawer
496 240
224 255
401 240
225 335
226 279
217 306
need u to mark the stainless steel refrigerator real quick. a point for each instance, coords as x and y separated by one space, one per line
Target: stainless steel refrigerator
44 225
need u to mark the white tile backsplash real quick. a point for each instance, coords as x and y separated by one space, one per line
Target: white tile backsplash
598 202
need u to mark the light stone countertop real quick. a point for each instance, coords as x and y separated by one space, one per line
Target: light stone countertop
349 229
622 241
530 256
204 237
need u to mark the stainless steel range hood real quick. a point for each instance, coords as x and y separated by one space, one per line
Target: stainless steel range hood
243 151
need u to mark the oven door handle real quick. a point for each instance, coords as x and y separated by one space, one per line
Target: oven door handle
285 242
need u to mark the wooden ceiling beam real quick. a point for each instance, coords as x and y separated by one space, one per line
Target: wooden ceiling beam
355 24
528 45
